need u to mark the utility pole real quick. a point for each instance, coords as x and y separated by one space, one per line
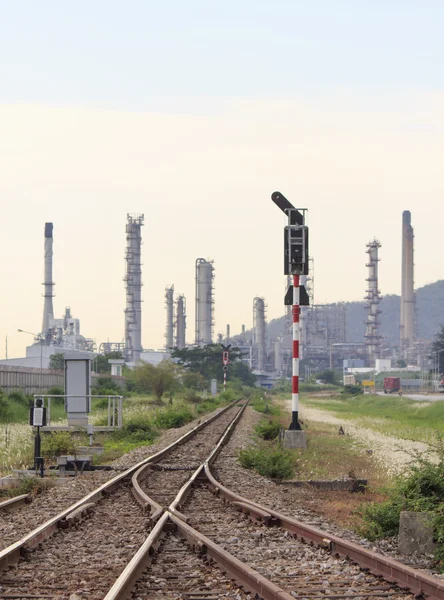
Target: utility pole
295 264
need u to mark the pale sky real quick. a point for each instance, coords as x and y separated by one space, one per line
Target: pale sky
193 114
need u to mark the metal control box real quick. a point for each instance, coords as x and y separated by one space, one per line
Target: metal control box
78 388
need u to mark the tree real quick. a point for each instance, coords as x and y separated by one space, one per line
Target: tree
101 364
57 361
328 376
165 377
207 361
438 350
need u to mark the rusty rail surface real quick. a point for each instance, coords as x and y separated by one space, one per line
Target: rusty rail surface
392 570
14 503
12 553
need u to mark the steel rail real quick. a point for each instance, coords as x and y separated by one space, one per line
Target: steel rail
123 586
11 554
389 568
14 503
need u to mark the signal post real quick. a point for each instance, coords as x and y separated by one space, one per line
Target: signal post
295 264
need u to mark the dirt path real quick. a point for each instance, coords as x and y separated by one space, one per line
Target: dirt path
393 454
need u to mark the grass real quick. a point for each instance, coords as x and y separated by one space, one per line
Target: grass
270 460
391 415
31 485
333 456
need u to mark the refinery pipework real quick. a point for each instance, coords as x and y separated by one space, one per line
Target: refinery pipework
372 337
133 281
204 320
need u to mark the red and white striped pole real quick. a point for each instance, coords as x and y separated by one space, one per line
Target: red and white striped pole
225 380
295 371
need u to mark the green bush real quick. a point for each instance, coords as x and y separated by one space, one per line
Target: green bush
31 485
55 391
273 461
193 397
172 417
264 406
21 398
421 490
351 390
57 443
268 430
230 395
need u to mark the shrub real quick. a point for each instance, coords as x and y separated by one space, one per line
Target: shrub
421 489
21 398
264 406
351 390
274 462
57 443
56 391
268 430
193 397
172 417
230 395
31 485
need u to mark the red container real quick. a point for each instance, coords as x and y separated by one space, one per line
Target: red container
392 384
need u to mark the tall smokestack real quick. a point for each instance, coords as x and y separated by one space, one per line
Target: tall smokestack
48 310
407 322
228 336
133 279
169 304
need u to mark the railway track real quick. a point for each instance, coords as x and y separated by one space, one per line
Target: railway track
86 546
166 544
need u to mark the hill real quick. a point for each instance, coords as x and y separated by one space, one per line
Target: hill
429 311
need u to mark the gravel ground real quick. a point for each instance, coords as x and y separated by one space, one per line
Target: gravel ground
177 572
301 569
176 468
391 453
288 500
86 559
14 525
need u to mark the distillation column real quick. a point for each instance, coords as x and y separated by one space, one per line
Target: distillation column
48 310
169 305
372 337
133 281
180 322
204 302
259 332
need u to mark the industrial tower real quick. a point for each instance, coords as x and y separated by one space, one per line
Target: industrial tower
48 309
169 305
180 322
372 337
259 332
133 283
407 324
204 302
